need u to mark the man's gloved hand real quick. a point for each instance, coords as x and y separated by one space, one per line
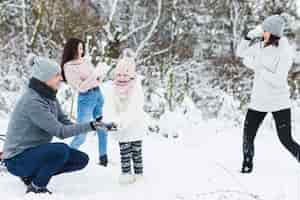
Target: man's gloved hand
99 124
256 33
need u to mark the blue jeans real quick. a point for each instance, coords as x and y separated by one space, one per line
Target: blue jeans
43 162
89 107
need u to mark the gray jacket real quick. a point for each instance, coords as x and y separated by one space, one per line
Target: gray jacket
35 121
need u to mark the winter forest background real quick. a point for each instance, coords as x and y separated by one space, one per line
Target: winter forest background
196 91
185 48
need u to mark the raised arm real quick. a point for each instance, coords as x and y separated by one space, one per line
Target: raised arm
73 77
249 53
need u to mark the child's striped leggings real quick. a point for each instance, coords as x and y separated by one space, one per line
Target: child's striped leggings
131 151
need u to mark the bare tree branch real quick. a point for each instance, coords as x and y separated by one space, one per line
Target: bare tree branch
125 37
24 26
9 3
37 24
154 54
108 26
154 25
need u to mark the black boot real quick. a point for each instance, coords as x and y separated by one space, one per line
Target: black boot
103 161
37 190
26 180
247 165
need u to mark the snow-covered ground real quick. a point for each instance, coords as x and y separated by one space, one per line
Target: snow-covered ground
202 164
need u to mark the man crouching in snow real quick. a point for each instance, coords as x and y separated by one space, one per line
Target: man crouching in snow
36 119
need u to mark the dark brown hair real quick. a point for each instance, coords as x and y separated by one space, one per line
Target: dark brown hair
274 41
70 52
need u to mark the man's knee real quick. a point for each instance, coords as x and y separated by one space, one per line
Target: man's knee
80 158
61 151
84 160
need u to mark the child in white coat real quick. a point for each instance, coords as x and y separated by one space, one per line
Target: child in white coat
126 108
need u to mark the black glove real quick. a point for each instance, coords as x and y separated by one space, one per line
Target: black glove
99 119
97 125
111 126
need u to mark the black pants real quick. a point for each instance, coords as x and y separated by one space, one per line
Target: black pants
131 151
283 125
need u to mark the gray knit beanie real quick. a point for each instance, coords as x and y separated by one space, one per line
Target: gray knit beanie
274 24
43 68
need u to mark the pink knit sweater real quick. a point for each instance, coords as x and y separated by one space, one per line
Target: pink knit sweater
82 76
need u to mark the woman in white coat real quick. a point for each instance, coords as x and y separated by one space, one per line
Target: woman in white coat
271 59
125 106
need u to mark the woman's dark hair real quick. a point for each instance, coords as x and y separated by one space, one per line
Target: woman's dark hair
70 52
274 41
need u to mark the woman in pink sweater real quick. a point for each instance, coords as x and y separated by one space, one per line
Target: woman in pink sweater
85 79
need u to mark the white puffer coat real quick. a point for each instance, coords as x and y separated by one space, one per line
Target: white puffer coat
133 121
271 66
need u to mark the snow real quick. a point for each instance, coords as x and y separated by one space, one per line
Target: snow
202 163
